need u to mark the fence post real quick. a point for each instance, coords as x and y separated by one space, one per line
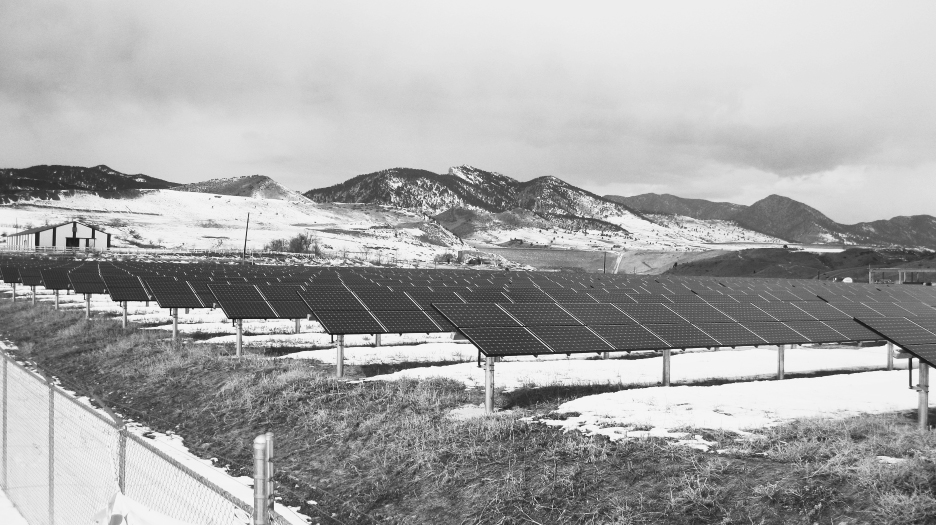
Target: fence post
271 489
122 459
261 513
51 452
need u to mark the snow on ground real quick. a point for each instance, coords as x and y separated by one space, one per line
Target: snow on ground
8 513
736 407
741 363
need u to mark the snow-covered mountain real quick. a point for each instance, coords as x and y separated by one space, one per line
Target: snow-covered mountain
257 186
51 182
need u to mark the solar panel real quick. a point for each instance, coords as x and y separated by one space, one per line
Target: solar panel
611 297
775 333
280 292
128 294
425 298
785 312
650 298
444 324
928 323
730 334
234 293
10 274
817 331
55 279
686 298
699 313
30 276
84 284
505 341
384 299
924 352
484 296
856 309
290 309
539 314
406 321
629 337
333 299
681 335
562 295
474 315
917 308
348 322
651 313
246 310
890 310
570 339
900 330
532 295
852 330
170 293
597 313
744 312
821 311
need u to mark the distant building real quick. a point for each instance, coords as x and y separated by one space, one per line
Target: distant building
71 235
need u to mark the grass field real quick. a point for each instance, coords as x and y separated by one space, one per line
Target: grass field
390 452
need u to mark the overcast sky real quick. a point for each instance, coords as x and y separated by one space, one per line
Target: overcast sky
829 103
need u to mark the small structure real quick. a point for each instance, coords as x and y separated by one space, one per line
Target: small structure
71 235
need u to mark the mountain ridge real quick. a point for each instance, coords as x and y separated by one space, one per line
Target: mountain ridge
50 181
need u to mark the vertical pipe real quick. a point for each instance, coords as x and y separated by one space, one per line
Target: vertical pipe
51 452
923 388
298 326
489 385
261 514
125 314
34 296
240 337
271 493
666 367
890 355
377 340
56 299
6 390
14 292
339 368
175 325
605 355
781 349
88 306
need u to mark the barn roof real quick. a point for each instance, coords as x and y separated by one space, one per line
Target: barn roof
50 226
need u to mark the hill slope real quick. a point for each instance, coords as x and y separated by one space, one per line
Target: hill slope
666 203
256 186
50 182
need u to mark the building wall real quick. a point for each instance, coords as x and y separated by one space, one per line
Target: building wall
58 238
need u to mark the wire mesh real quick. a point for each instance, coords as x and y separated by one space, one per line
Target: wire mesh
86 454
165 486
28 445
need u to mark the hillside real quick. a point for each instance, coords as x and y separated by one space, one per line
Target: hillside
256 186
51 182
792 220
796 264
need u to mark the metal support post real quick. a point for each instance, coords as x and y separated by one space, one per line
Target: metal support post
125 314
271 498
890 356
122 460
186 311
923 389
606 355
240 337
175 325
6 392
377 340
489 385
298 326
51 452
781 349
88 306
339 367
34 296
14 292
261 513
56 299
666 367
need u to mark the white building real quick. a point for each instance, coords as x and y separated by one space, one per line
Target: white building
67 235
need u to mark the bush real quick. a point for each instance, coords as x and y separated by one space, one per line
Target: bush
301 243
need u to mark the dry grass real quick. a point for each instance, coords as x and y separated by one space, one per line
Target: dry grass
388 452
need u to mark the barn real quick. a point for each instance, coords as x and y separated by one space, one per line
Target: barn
63 236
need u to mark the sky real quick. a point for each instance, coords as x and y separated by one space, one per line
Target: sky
830 103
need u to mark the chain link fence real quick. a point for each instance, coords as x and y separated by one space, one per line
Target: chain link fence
61 462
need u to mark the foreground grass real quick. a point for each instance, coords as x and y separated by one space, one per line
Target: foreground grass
388 452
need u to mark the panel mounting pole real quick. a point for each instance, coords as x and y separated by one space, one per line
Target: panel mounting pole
34 296
87 306
339 366
666 367
298 326
125 314
56 299
175 325
240 337
14 292
377 340
605 355
488 385
923 389
781 349
890 355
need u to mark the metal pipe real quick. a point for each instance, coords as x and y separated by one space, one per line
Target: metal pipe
88 306
125 314
240 337
377 340
666 367
339 367
781 349
923 389
34 296
271 489
51 452
606 355
489 385
14 292
56 299
261 513
175 325
298 326
890 355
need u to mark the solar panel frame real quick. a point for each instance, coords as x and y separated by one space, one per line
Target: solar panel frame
247 310
699 313
653 313
821 310
730 334
386 300
290 309
406 321
348 322
539 314
900 330
496 341
817 331
926 352
775 333
570 339
682 335
744 312
333 299
629 337
783 311
852 330
473 315
597 313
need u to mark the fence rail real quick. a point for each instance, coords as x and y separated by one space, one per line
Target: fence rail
62 461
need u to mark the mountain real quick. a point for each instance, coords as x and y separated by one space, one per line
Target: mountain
256 186
792 220
50 182
671 204
467 187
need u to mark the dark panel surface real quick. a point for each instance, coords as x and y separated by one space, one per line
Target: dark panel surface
505 341
570 339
